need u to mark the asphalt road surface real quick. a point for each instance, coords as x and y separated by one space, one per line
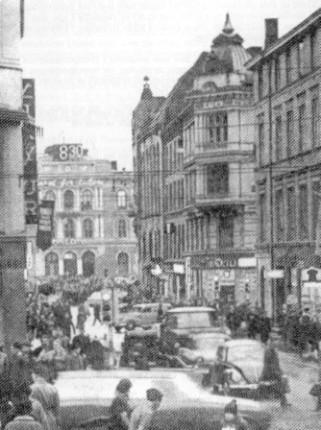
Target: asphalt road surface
301 414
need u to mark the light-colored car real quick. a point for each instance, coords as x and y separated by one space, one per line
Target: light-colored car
86 395
202 348
143 315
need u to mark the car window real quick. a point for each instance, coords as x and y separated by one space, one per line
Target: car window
197 320
234 376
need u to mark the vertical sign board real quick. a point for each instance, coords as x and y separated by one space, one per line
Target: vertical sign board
30 152
45 224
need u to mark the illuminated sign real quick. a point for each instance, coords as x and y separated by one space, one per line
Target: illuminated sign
66 152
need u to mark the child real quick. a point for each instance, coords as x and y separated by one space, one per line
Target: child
232 420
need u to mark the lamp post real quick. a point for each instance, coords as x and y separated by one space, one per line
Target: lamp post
216 291
247 290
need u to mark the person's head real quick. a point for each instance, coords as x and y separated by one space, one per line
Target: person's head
123 388
39 370
230 411
155 397
16 348
23 407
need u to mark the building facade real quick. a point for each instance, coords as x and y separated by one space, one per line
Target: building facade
206 135
93 232
287 84
12 214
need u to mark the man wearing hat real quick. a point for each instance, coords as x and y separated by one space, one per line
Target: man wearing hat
232 419
143 413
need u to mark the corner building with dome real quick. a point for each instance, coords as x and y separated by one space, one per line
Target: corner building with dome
202 232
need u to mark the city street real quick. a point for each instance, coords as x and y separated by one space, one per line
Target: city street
301 414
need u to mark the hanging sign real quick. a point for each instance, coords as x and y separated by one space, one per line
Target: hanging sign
45 224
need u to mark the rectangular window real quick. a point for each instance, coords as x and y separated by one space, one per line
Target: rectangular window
300 58
278 137
303 212
288 71
218 128
217 179
290 133
315 121
260 83
226 232
277 73
263 218
313 49
279 215
302 126
316 201
261 137
291 215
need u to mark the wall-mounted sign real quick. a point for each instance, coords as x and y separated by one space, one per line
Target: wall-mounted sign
179 268
220 261
45 224
274 274
30 152
66 152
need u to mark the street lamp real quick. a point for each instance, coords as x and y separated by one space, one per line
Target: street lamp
247 290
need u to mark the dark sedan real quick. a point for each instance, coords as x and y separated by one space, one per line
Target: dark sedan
86 395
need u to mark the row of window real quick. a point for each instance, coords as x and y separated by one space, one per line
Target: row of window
151 180
293 212
70 267
88 228
295 131
174 195
298 60
86 199
173 156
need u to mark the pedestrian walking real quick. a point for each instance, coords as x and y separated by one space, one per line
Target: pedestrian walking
272 371
120 410
118 341
316 389
96 314
81 317
24 419
143 414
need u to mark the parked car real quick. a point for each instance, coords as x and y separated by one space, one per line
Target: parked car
201 347
180 323
85 397
142 315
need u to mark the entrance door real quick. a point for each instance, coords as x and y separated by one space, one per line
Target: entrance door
227 297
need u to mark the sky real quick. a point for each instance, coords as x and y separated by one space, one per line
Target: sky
89 58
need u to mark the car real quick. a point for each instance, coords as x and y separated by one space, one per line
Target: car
180 323
202 347
243 365
149 340
142 315
85 397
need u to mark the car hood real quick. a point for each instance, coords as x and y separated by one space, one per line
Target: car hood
191 331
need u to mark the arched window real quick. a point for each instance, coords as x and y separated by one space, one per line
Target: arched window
69 199
121 199
51 264
123 264
88 228
86 200
50 195
88 264
69 228
70 264
122 230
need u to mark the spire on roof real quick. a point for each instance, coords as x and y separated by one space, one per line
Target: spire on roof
228 28
147 92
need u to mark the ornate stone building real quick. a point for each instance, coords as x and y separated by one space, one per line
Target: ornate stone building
93 232
205 134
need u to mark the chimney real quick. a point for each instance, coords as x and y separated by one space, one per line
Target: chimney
271 31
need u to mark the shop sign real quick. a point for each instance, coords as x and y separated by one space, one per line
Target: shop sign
30 153
274 274
179 269
247 262
213 262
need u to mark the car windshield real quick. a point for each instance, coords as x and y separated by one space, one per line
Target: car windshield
207 343
240 352
205 319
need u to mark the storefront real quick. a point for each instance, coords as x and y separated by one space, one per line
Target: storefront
228 279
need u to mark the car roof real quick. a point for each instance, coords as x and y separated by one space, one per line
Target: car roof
242 342
122 373
190 309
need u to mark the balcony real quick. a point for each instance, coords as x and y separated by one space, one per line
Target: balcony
220 202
